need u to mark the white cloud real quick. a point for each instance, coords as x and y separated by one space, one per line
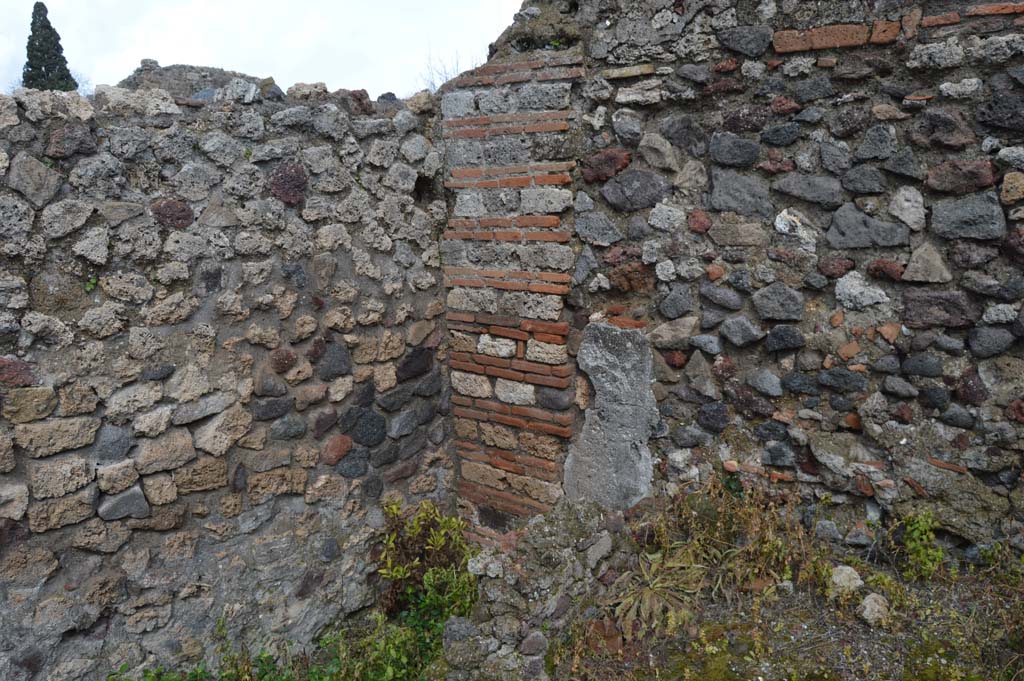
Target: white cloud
379 46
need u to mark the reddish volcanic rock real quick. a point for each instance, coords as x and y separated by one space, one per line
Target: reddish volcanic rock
605 164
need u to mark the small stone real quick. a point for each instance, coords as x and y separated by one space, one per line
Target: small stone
926 309
55 435
131 503
635 190
473 385
908 206
173 213
605 164
750 41
779 302
33 179
743 194
766 383
23 405
976 217
878 144
820 189
741 332
854 293
864 179
597 229
713 417
927 265
989 341
844 581
874 610
732 150
785 337
851 228
961 176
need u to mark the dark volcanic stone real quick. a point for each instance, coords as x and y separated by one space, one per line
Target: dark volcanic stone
813 89
172 213
853 229
782 135
288 183
336 362
732 150
713 417
722 296
597 229
605 164
323 421
848 121
557 400
957 416
843 380
941 128
879 143
989 341
865 179
112 443
924 309
779 302
801 384
636 190
416 362
355 464
979 216
370 429
779 454
923 365
743 194
396 398
677 302
1003 111
785 337
750 41
684 132
771 430
282 359
905 164
271 408
290 427
935 397
971 387
820 189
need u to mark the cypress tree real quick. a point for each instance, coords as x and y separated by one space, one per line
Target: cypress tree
46 67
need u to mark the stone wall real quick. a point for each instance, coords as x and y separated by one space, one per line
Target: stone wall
811 212
797 234
648 243
218 326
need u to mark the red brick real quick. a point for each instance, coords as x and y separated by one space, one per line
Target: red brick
548 381
531 367
492 406
553 289
511 421
549 429
885 32
823 38
996 8
548 338
464 413
538 221
947 19
467 366
508 333
499 372
487 360
560 328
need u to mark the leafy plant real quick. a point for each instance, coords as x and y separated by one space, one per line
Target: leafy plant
424 559
923 556
90 284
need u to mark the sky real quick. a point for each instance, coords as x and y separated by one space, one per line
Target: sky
379 46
